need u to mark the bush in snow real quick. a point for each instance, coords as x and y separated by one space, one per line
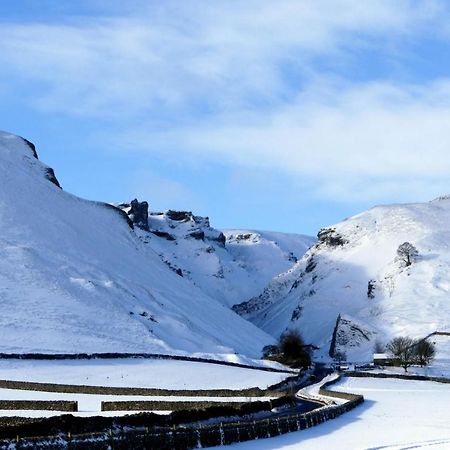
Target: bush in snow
291 350
407 253
294 350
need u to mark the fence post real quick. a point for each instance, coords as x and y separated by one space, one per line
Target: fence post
111 438
221 433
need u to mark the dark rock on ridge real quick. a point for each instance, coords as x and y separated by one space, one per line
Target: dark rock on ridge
49 173
137 212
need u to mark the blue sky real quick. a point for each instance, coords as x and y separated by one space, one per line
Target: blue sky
287 115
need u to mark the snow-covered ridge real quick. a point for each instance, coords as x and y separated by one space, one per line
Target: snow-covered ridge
75 277
354 272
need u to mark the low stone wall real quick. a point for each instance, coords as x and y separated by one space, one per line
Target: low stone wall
194 436
396 376
39 405
153 392
164 406
353 398
184 438
88 356
228 407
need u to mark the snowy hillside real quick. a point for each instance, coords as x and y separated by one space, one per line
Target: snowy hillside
230 266
352 284
76 277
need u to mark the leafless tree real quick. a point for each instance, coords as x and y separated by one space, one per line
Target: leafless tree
402 349
407 253
425 352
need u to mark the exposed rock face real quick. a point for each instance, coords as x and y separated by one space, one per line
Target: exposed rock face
138 214
32 146
179 216
197 234
221 239
330 237
163 234
349 334
50 175
49 172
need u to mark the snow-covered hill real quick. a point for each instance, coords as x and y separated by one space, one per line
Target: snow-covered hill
351 290
230 266
75 275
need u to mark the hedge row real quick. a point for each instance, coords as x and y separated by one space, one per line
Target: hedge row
153 392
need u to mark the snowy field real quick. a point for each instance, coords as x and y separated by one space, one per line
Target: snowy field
146 373
397 414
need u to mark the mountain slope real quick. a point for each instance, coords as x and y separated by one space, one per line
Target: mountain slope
75 277
230 266
351 290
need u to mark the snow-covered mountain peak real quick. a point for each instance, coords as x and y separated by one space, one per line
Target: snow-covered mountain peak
21 156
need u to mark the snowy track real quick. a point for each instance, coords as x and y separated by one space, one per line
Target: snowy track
397 414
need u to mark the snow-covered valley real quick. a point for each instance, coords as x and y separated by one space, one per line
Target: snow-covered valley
79 276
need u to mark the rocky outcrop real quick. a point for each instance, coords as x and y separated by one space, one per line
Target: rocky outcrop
50 175
163 234
49 172
32 147
220 239
137 212
330 238
179 216
197 234
347 335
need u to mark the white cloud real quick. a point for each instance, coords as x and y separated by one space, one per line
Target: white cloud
368 140
237 82
177 55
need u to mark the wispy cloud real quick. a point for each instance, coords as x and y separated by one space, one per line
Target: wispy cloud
242 83
185 56
368 139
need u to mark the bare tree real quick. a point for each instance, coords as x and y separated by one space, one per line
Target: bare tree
407 253
402 349
425 352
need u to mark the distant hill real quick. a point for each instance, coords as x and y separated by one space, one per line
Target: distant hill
351 289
